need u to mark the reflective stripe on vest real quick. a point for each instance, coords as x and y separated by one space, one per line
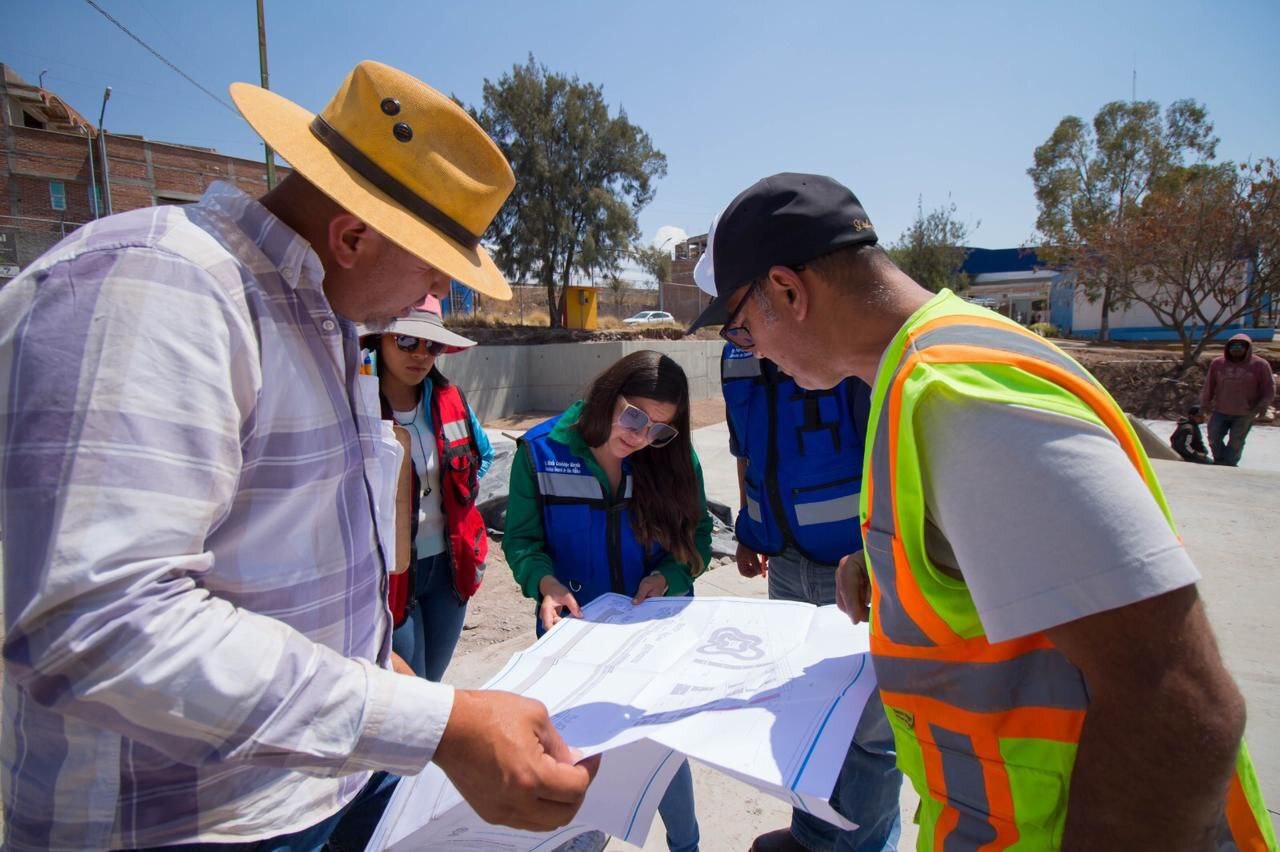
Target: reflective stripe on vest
456 430
570 486
740 368
987 732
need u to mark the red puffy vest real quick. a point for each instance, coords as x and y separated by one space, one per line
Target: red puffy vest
465 530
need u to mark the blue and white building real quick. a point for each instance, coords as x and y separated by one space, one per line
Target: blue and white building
1016 283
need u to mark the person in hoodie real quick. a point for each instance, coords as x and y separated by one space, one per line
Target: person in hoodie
1238 388
1187 441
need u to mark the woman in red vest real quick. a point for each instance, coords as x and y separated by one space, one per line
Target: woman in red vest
450 453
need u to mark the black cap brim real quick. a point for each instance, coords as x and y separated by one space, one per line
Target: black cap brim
716 313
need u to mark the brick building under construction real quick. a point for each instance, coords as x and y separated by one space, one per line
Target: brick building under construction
52 174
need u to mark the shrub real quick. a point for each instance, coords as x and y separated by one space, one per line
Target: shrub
1045 329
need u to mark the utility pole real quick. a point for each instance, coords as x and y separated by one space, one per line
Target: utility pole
102 147
93 177
262 65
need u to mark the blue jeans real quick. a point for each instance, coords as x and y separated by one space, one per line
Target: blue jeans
433 624
869 782
1226 436
348 830
677 812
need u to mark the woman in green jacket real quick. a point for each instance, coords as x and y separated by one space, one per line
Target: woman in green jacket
608 497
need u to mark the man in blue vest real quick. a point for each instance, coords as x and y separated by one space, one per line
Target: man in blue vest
796 450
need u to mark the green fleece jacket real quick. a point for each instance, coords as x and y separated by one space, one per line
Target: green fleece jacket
523 542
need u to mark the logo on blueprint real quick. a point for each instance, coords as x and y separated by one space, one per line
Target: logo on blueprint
732 642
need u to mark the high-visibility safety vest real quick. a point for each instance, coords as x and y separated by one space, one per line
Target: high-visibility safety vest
587 532
804 458
465 531
986 731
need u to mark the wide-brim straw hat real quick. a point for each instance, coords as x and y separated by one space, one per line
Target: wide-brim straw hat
402 157
425 321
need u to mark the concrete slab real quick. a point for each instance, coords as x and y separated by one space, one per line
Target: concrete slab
719 467
1227 520
501 380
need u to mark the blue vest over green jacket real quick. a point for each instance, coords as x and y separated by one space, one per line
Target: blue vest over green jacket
587 532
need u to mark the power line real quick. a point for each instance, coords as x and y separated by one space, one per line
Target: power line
154 53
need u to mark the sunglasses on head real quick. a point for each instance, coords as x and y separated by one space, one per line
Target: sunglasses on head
409 343
636 421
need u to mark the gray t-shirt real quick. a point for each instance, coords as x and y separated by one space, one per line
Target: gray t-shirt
1043 515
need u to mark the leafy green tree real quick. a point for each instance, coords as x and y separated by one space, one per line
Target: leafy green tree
932 249
1090 179
582 177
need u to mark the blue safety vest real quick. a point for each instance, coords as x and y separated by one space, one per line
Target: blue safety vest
804 458
587 532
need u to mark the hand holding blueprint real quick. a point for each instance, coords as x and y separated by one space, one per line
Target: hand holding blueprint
768 692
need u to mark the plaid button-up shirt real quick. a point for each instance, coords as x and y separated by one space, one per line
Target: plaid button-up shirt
193 479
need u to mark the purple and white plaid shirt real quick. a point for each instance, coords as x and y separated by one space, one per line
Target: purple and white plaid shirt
194 480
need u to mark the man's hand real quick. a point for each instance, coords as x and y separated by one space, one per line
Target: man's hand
750 563
652 586
853 587
555 597
507 760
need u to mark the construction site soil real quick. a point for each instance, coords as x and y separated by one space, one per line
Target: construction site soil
1149 382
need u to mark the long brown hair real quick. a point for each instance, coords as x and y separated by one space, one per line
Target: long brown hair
665 504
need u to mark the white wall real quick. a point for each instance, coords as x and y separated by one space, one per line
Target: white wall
1087 317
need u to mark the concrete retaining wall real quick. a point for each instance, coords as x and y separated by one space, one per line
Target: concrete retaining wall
501 380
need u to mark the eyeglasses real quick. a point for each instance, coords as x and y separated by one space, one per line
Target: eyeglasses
636 421
740 335
409 343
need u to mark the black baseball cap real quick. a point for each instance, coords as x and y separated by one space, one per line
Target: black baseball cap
783 220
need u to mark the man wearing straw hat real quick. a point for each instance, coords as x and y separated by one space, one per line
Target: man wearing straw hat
195 481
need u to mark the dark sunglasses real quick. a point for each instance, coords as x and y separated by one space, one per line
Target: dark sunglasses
409 343
636 421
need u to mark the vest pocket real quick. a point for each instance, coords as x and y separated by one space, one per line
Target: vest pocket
830 502
464 479
571 543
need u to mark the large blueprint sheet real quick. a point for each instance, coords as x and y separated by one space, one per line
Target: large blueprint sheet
768 692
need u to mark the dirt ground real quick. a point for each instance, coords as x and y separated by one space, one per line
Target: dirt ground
1147 382
498 611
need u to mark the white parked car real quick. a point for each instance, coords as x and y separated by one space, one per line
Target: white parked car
649 318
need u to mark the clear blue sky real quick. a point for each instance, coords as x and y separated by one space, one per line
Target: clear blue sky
898 100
